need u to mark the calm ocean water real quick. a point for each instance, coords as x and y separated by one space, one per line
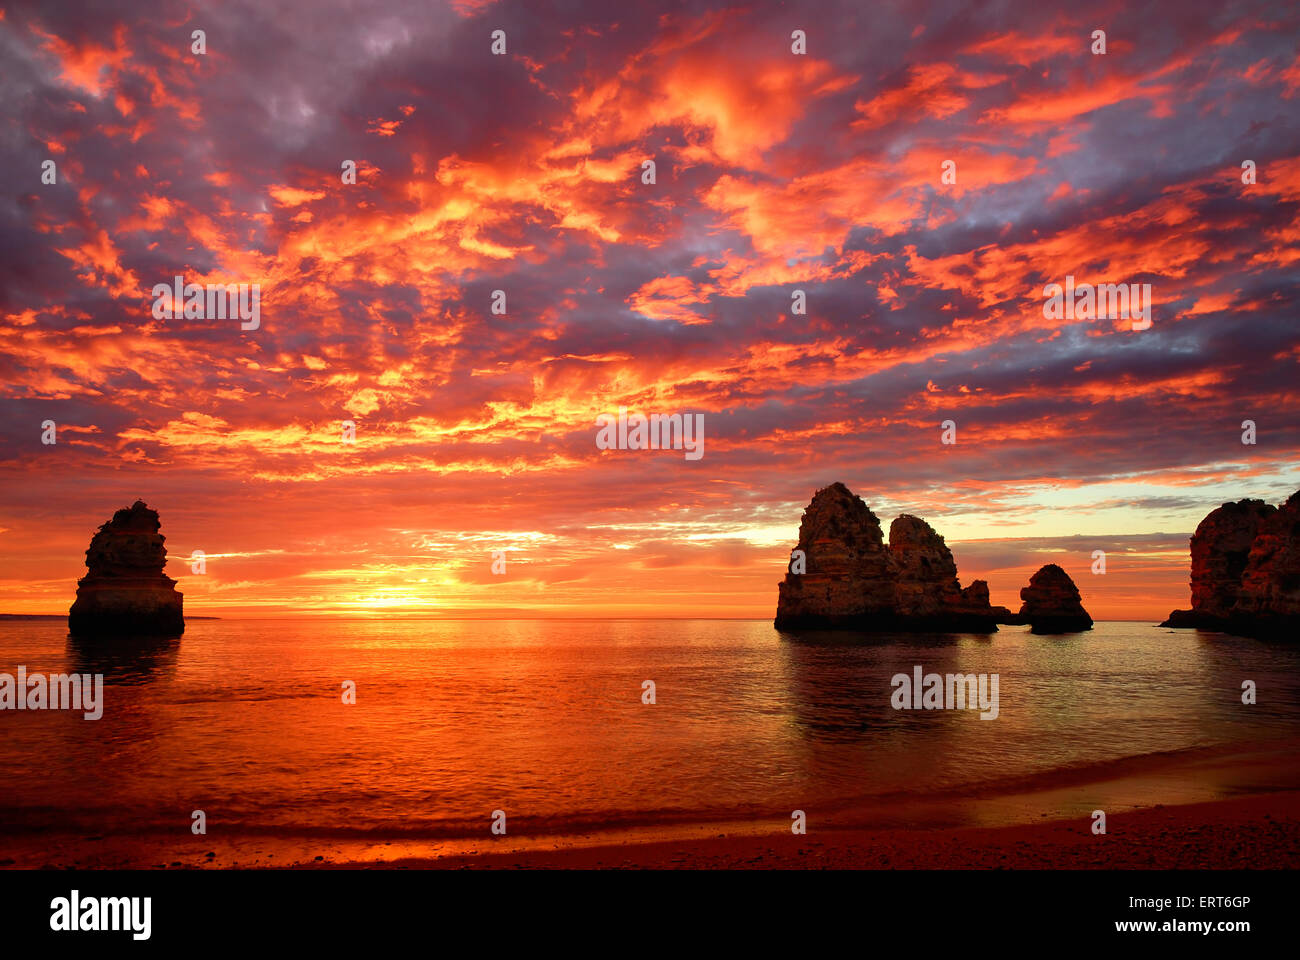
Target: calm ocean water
544 720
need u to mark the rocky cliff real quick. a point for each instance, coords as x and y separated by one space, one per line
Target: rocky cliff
1269 599
126 592
1051 603
1246 570
1220 548
843 574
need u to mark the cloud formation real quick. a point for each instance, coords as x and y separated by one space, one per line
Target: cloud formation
523 173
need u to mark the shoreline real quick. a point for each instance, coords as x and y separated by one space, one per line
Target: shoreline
1258 831
1216 809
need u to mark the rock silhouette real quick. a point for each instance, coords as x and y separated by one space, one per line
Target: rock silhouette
1246 570
1270 584
126 592
852 579
1052 603
1220 548
976 597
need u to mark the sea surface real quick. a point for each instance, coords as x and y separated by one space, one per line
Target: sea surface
545 721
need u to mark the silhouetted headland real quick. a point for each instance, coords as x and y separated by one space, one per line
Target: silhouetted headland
1246 571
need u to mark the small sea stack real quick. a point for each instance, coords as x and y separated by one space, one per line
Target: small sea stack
126 593
1052 603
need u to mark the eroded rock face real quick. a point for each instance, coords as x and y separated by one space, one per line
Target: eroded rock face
126 592
1246 570
853 580
1270 582
1052 603
975 600
1220 548
927 576
849 573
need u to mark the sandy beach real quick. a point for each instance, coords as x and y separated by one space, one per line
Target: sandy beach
1250 832
1260 832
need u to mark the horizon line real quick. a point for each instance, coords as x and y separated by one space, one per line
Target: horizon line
309 616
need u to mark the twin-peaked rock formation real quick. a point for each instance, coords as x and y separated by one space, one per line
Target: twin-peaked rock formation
126 593
843 575
1246 571
849 577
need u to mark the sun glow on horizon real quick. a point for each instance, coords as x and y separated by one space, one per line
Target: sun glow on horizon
441 331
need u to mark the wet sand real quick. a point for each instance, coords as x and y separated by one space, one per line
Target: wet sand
1260 832
1216 808
1252 832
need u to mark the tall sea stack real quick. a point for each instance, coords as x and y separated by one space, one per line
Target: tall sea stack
1246 571
845 576
1220 548
1269 601
126 593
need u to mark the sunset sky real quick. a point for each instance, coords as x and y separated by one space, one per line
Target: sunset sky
523 173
